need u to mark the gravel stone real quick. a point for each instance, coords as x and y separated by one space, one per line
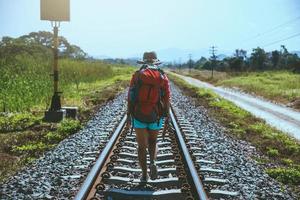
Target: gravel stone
233 156
55 175
61 171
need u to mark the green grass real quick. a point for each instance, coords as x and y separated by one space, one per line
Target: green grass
26 84
26 136
46 140
279 147
26 90
17 121
205 75
290 175
278 86
25 93
282 86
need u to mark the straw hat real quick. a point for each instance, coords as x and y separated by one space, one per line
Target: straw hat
149 58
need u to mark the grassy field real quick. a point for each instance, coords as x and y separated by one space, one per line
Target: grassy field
29 78
279 149
279 86
26 90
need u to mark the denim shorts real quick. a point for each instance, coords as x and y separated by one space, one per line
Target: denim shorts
150 126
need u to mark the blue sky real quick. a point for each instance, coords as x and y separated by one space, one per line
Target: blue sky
124 28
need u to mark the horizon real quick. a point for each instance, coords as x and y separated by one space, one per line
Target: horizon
126 29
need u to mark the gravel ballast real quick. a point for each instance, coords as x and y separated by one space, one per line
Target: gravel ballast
234 157
61 171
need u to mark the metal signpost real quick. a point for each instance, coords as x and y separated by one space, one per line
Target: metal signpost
55 11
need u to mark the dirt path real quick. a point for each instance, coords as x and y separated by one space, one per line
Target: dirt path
280 117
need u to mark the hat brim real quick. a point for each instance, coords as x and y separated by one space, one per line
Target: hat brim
155 62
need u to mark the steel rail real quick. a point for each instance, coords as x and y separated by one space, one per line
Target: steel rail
201 194
91 177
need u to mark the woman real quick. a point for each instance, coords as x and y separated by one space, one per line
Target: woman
148 106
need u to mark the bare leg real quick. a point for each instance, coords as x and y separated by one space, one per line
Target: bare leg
141 137
152 145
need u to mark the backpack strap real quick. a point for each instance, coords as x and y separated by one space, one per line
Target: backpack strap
161 71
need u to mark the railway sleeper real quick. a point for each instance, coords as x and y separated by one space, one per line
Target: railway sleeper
135 148
160 171
158 163
162 182
215 181
166 156
210 170
202 161
198 154
144 194
215 193
158 143
195 138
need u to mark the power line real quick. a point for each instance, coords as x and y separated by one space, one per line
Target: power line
284 39
274 28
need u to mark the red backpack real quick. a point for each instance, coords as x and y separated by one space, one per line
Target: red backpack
145 96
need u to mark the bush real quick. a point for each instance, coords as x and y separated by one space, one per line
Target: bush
68 127
31 148
17 122
286 175
272 152
53 137
287 161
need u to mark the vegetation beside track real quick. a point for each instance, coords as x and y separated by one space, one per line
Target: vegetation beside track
278 86
282 151
26 90
25 137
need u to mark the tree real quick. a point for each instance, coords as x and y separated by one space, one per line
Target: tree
199 64
235 63
74 51
258 58
42 39
275 58
207 65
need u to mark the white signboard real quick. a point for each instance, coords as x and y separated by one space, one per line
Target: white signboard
55 10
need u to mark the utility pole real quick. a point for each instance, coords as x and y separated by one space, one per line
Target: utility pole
190 63
179 64
213 58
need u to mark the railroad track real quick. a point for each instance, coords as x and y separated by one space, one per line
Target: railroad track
182 174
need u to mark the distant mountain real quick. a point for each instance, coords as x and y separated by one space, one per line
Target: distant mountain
174 55
221 56
101 57
171 55
128 61
177 55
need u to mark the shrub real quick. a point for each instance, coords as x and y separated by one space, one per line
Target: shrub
272 152
31 148
68 127
286 175
287 161
53 137
17 122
